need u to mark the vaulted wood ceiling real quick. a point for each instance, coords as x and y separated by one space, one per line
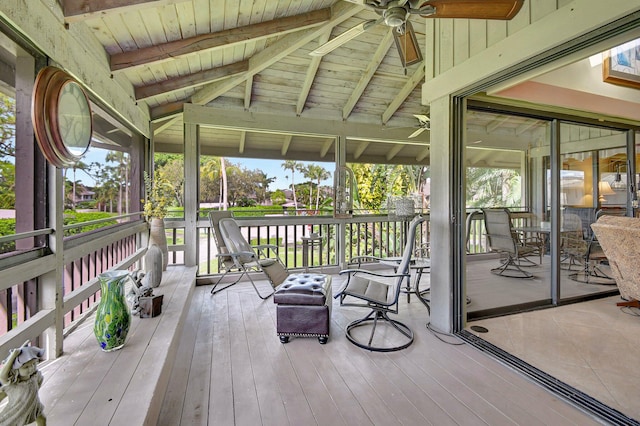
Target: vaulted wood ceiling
249 59
253 57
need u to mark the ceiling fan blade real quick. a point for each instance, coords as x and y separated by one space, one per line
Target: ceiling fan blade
338 41
475 9
422 117
407 45
417 132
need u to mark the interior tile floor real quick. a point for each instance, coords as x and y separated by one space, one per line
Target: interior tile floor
591 346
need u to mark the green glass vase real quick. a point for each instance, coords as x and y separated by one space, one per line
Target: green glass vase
113 317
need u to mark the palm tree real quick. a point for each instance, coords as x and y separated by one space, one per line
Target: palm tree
293 166
216 168
317 173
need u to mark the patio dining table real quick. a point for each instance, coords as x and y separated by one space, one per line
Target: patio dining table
419 265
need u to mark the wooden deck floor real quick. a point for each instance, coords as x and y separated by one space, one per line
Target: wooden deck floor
232 369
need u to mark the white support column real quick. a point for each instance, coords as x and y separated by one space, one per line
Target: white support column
190 193
341 160
51 295
441 216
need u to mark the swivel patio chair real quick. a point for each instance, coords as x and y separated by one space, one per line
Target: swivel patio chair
382 298
502 238
246 258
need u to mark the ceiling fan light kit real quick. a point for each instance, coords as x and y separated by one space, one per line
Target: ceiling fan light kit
395 14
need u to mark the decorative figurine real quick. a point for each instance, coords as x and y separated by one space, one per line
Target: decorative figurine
21 380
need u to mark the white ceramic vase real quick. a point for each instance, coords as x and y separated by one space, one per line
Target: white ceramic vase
158 237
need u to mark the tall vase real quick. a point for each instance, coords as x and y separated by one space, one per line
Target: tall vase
158 237
113 317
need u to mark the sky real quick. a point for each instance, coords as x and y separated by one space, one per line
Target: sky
273 168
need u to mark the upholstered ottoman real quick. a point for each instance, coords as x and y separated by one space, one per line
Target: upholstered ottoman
304 306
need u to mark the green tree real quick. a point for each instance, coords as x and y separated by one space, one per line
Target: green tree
488 187
292 165
278 197
7 126
7 185
318 174
173 170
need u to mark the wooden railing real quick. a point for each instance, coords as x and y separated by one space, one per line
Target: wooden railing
363 235
47 291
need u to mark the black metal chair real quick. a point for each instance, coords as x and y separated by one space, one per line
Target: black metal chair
382 298
503 239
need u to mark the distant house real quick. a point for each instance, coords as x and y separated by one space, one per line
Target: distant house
84 194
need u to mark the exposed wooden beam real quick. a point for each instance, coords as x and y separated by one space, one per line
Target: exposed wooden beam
275 52
497 122
525 126
164 125
226 38
406 90
325 147
360 149
394 151
163 111
378 56
78 10
423 154
243 140
248 89
191 80
311 74
285 144
251 121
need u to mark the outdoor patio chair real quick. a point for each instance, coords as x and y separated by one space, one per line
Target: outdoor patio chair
595 262
380 293
503 239
573 245
247 258
226 264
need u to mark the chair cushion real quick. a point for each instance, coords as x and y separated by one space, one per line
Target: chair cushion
370 290
303 289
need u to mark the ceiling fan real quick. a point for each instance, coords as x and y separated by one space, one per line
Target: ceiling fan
395 14
424 123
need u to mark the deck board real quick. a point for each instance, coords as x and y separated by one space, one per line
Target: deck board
257 380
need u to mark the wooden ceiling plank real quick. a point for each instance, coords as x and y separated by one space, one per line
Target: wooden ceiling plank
191 80
406 90
311 74
325 147
286 144
278 50
79 10
379 55
217 40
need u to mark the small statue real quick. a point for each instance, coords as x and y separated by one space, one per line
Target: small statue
20 381
138 290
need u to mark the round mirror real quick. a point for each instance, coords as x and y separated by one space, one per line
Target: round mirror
61 115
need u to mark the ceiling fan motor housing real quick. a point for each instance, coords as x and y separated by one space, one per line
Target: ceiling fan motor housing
395 17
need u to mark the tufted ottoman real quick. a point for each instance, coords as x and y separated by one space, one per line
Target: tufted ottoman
304 306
